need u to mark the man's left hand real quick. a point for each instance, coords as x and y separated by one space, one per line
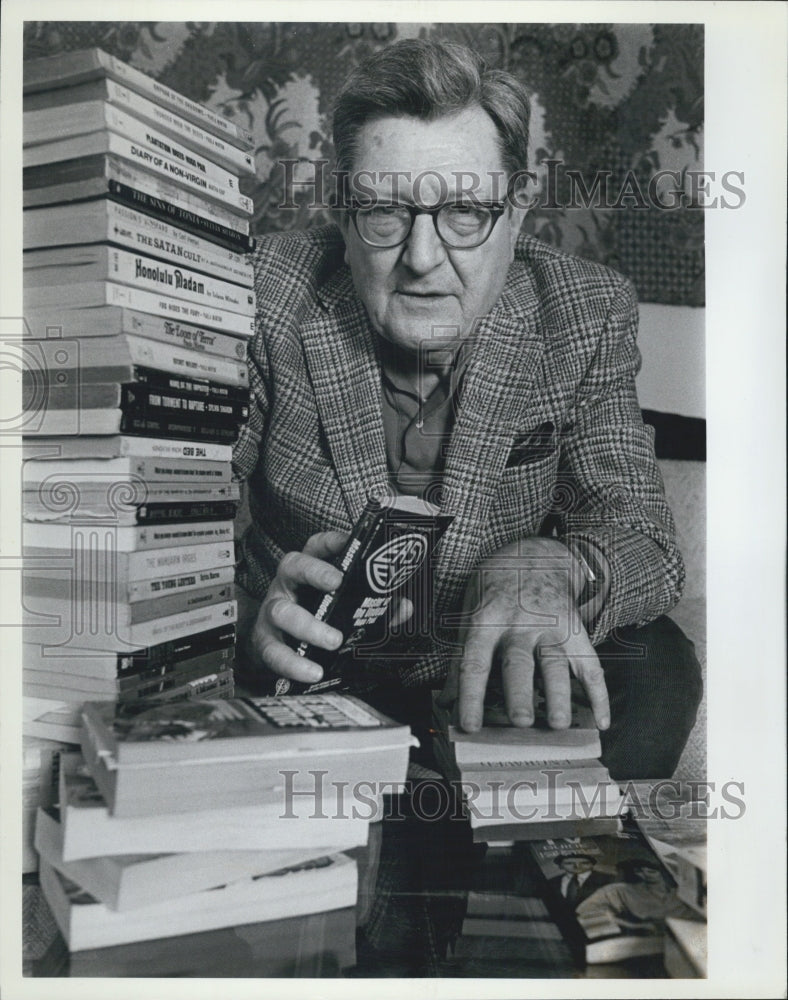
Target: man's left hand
520 612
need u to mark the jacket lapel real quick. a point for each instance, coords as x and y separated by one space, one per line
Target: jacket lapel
496 392
345 372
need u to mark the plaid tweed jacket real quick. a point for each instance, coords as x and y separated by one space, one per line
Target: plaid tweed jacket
548 436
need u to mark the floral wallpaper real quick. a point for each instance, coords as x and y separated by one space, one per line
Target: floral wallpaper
620 101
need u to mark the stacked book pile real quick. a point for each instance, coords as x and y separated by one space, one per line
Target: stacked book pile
180 818
138 306
530 783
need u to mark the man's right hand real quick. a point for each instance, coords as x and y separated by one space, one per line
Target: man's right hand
281 614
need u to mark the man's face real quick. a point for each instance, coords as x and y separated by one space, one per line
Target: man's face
422 286
576 866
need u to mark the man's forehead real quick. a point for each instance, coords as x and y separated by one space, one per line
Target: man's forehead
425 160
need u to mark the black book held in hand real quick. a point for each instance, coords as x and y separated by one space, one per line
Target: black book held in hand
391 542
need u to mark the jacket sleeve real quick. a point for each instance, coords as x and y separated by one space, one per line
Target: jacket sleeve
610 497
247 446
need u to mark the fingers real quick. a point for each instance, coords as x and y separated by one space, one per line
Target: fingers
291 618
474 671
554 666
326 544
402 613
299 569
587 668
517 668
282 660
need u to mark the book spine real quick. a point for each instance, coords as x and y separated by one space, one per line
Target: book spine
132 140
103 322
155 398
153 469
120 447
144 233
192 135
201 387
90 176
97 293
212 146
124 226
44 74
176 427
139 663
138 271
197 175
142 196
172 675
86 602
94 365
52 539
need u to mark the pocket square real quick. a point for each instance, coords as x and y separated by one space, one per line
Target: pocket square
533 446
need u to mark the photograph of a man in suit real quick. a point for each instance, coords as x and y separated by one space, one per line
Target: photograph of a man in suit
578 879
423 345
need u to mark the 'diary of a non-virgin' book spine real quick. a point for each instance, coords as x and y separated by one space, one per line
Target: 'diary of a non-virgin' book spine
391 543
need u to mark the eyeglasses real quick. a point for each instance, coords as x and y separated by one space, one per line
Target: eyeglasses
459 225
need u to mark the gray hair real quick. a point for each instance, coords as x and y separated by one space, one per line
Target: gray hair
429 80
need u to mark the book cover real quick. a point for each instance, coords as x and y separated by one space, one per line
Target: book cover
109 129
610 895
244 727
68 69
89 829
69 100
57 266
105 220
326 884
388 547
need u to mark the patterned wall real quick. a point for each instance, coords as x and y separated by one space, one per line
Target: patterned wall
626 99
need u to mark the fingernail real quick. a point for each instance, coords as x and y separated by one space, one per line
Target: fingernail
313 673
470 723
522 718
332 637
604 722
558 720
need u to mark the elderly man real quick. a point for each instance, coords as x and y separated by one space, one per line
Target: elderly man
424 346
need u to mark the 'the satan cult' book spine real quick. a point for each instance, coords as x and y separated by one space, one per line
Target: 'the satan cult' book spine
104 220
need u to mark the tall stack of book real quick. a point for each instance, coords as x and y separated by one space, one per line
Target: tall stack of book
184 817
139 302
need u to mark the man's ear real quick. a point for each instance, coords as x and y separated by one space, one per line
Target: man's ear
515 218
342 220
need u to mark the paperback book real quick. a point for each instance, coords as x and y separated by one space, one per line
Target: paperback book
610 895
391 543
228 753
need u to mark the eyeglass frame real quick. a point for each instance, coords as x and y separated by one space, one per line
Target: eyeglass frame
496 209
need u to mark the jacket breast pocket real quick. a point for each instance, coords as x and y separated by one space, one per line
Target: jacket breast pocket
523 498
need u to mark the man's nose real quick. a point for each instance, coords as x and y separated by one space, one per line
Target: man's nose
423 248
